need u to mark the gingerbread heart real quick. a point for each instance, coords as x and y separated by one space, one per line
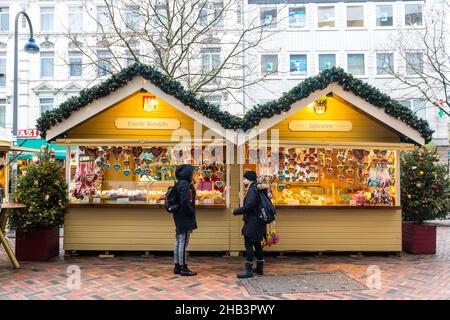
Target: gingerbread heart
126 163
105 166
90 177
116 167
281 187
117 151
219 174
137 170
329 170
126 172
218 184
136 151
136 160
156 151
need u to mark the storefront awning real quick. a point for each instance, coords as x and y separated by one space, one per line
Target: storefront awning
30 146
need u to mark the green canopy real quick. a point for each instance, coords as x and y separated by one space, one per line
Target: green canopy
60 151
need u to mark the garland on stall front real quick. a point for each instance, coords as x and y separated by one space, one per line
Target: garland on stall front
254 116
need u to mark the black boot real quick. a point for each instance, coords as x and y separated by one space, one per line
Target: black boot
248 273
186 272
177 269
259 267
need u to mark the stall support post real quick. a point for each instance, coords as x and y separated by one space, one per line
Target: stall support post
68 164
398 200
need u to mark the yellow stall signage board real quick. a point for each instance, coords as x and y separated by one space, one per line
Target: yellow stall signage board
320 125
147 124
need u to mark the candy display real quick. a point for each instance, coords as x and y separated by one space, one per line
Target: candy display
326 176
143 173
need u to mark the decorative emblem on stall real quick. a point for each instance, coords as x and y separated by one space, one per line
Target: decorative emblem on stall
149 103
320 106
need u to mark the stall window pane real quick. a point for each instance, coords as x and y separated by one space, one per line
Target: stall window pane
2 69
298 64
355 64
384 16
414 63
4 19
268 18
47 64
75 19
47 14
326 17
46 104
413 14
355 16
2 113
326 61
385 63
297 17
269 64
75 64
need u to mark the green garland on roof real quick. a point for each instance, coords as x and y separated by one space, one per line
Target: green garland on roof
253 117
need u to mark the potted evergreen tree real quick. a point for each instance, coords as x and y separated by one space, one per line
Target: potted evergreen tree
425 192
43 191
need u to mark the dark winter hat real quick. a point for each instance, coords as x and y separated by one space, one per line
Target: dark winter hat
250 175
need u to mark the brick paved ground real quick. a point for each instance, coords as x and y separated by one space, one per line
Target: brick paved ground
133 277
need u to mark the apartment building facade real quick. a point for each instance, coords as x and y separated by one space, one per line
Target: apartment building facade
303 38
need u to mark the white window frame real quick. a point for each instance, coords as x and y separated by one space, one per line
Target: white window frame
271 26
52 27
392 4
107 26
295 75
376 64
364 26
104 73
323 53
306 17
3 106
210 52
266 73
41 64
404 14
3 56
71 53
334 17
412 107
72 14
46 96
2 16
365 63
406 62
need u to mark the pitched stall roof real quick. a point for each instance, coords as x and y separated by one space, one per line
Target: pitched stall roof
333 79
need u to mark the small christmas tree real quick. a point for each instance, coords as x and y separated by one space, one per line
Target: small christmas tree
425 185
43 190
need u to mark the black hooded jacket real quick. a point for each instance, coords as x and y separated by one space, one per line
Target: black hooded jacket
184 217
250 211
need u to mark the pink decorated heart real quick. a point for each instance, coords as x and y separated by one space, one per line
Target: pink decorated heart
156 151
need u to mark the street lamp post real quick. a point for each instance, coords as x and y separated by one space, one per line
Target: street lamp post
30 47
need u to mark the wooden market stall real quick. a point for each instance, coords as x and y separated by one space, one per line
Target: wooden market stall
329 150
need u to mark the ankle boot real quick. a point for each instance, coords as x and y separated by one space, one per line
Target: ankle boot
177 269
248 273
259 267
186 272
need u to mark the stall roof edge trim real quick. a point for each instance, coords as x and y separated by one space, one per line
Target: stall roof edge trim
53 118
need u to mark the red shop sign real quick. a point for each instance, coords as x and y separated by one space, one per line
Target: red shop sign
28 133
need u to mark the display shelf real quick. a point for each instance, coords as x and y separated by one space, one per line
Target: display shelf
342 207
137 205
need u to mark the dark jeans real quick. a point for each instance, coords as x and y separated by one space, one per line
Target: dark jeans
253 248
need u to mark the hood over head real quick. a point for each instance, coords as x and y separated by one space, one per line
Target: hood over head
184 172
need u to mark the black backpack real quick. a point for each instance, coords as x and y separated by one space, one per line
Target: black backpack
172 203
268 211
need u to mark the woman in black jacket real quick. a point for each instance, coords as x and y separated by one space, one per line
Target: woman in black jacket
184 218
253 231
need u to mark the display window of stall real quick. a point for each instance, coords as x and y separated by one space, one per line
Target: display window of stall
327 176
141 175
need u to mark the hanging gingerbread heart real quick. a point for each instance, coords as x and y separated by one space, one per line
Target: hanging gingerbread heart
137 161
99 162
117 151
116 166
126 172
126 163
137 170
219 174
218 184
329 170
281 187
137 151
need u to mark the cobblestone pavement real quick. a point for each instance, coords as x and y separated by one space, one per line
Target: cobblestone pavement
134 277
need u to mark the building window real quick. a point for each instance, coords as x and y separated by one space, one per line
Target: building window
355 16
2 113
159 19
355 64
269 64
75 19
297 17
47 64
104 65
385 63
75 64
384 16
210 60
413 14
414 63
211 14
47 14
203 15
215 99
417 106
132 17
268 17
298 64
3 69
4 19
46 104
326 60
326 17
103 21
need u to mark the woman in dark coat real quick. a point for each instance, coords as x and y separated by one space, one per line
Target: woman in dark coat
184 218
253 231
